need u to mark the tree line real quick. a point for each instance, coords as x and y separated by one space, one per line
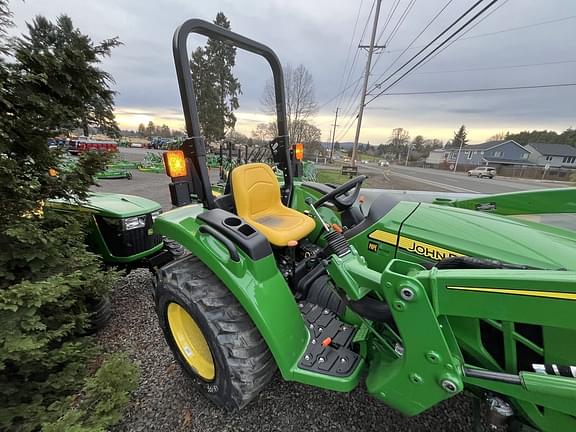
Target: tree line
152 130
544 136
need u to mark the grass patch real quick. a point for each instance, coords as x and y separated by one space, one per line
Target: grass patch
333 176
330 176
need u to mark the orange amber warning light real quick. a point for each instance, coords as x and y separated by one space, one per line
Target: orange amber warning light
175 163
299 151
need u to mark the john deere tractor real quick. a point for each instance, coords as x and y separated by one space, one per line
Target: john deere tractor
418 301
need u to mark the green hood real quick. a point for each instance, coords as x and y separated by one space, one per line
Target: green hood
110 204
487 235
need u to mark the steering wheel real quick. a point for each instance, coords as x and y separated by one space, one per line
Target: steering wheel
340 196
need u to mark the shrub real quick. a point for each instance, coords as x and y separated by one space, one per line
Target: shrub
49 85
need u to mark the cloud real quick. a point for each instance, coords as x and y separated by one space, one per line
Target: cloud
318 35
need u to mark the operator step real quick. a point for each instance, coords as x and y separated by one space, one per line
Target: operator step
329 350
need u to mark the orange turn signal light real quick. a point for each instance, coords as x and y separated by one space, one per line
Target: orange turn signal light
298 151
175 163
53 172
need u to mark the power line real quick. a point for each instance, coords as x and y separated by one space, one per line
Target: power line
393 33
465 33
462 27
520 28
477 90
501 31
446 30
349 125
338 94
495 68
356 51
414 40
400 22
350 46
365 83
388 19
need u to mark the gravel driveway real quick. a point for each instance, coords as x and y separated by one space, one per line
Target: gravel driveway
166 400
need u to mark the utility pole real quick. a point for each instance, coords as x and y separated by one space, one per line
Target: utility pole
459 151
366 77
408 154
333 135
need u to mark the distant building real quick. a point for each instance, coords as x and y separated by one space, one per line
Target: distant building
554 155
492 153
438 158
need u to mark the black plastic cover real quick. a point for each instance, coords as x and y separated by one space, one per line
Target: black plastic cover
248 239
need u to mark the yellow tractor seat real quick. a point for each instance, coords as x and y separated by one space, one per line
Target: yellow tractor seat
257 198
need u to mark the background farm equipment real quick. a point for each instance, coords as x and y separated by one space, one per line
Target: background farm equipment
152 163
120 229
114 173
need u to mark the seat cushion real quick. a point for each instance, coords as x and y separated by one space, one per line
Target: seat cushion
282 226
257 197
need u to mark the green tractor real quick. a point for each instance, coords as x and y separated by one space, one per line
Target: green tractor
120 229
418 300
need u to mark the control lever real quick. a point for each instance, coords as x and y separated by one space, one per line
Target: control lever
310 202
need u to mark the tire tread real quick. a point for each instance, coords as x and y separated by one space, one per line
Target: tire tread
250 362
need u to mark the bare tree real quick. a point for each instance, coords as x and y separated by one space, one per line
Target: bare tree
499 136
300 100
264 131
400 137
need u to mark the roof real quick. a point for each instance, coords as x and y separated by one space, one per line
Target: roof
484 146
554 149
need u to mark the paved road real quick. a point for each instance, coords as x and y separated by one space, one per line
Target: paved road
432 179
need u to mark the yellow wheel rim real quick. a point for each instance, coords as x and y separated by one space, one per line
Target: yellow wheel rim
191 341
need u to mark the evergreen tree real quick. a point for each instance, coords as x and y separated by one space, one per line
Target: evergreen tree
50 84
215 85
459 138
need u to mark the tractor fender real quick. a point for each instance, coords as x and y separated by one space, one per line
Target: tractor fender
257 284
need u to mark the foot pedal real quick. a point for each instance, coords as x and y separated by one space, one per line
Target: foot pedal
328 351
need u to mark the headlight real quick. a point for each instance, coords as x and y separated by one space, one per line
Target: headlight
134 222
156 214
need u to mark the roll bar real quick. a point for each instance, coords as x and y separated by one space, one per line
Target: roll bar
193 147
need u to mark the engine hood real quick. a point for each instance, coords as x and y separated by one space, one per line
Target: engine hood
110 204
474 233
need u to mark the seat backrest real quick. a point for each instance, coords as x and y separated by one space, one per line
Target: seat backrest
255 189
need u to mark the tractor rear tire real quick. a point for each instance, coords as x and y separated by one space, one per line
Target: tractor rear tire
241 365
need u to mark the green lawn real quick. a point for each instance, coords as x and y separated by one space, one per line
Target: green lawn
330 176
333 176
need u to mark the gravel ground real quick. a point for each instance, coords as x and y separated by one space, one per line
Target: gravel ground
167 400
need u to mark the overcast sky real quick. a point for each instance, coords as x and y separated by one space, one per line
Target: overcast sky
514 46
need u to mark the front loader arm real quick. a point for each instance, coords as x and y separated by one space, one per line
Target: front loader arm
511 301
440 316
